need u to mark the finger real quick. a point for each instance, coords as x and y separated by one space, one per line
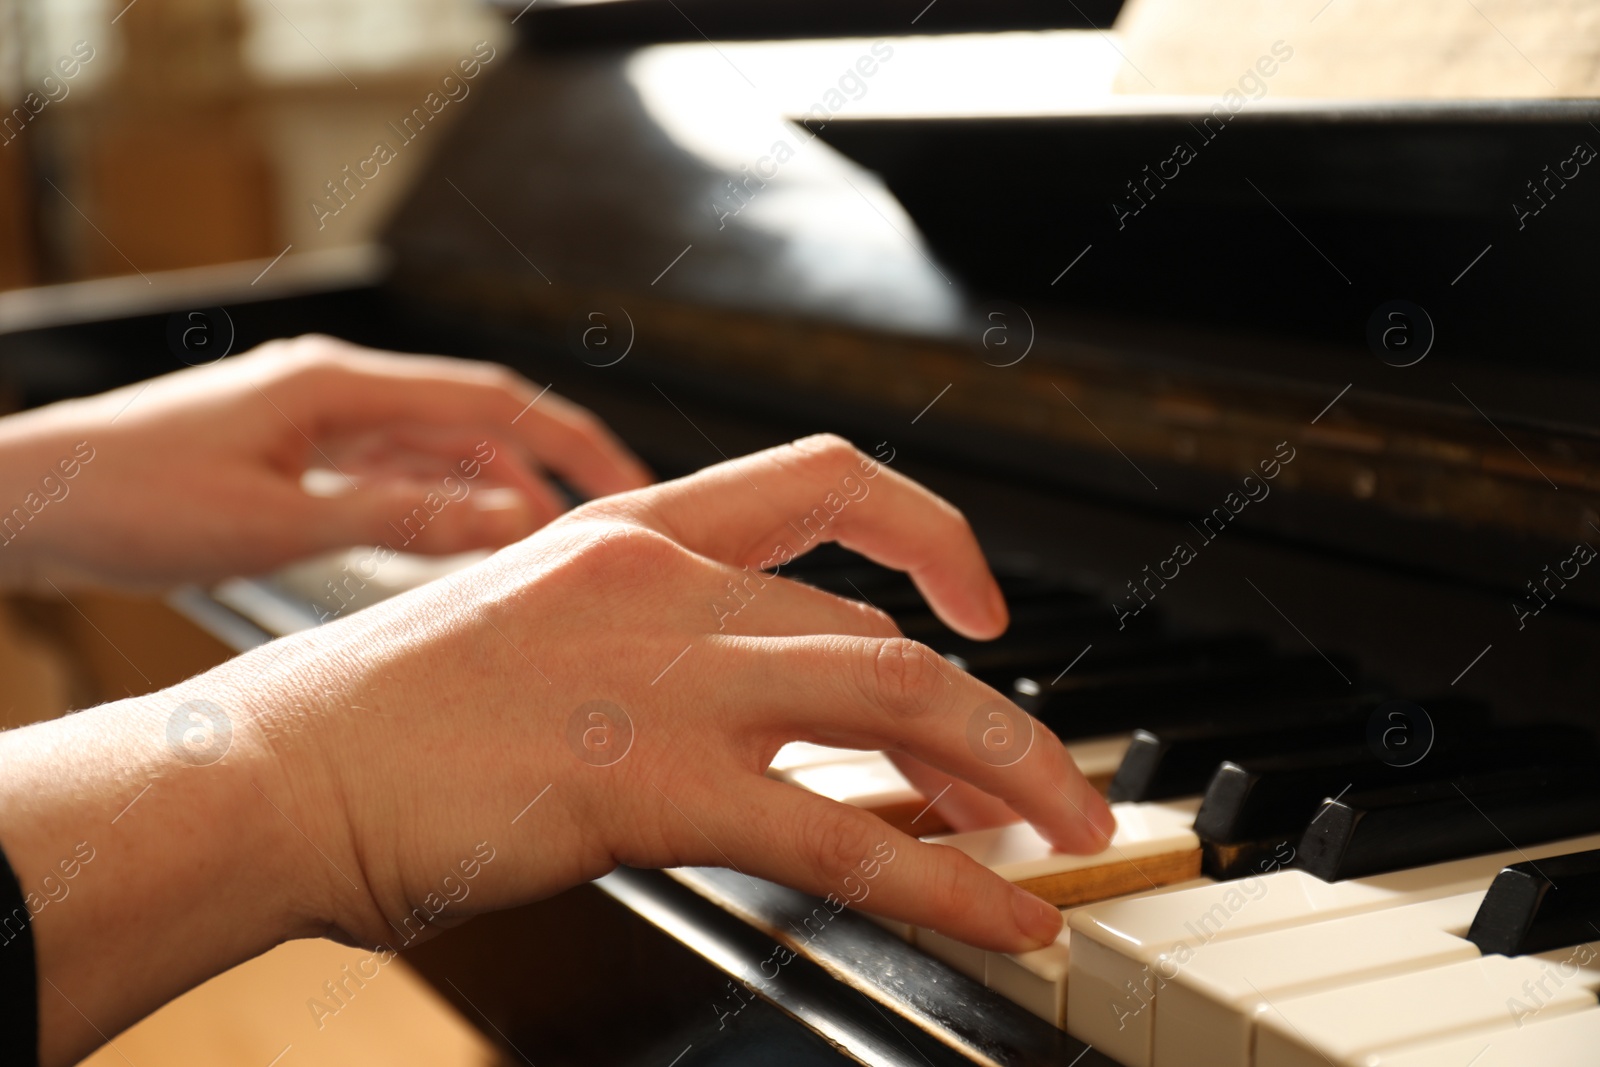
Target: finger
892 693
577 444
358 388
773 506
437 454
412 518
760 605
963 805
850 857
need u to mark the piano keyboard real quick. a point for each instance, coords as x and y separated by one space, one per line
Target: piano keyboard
1277 894
1331 926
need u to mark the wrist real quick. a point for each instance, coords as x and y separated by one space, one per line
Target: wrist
275 816
283 701
180 867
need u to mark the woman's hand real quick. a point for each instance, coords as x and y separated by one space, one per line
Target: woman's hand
581 699
598 660
202 474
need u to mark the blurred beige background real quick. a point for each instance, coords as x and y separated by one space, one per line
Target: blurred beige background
1366 48
199 130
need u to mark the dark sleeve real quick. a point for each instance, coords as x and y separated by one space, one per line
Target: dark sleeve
19 984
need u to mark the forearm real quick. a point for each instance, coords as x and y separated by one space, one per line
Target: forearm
146 868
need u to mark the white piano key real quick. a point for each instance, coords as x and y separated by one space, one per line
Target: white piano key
805 754
1124 952
1208 1012
1018 853
868 779
903 930
959 955
1034 980
1097 757
872 782
1353 1025
338 583
1037 980
1568 1040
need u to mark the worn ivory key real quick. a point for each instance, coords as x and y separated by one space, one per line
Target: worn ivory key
1154 846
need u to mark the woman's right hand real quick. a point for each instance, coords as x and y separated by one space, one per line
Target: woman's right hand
584 698
600 660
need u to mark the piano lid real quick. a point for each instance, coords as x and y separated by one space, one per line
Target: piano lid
1167 352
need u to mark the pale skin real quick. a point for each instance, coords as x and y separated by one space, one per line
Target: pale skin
371 756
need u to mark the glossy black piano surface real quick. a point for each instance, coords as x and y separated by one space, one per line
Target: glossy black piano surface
1294 217
587 24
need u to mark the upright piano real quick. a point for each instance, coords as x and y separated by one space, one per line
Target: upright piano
1277 421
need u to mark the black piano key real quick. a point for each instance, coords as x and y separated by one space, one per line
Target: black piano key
1254 712
1118 702
1023 587
888 590
1002 661
1252 798
1240 823
1241 859
1259 712
1537 907
828 557
1274 796
1059 619
1222 676
844 573
1383 830
1178 761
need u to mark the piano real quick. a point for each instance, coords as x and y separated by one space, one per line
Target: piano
1286 460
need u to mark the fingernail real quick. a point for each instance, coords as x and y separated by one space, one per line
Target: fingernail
1039 922
1093 825
504 512
497 499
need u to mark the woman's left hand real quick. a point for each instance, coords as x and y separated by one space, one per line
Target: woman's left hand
202 474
